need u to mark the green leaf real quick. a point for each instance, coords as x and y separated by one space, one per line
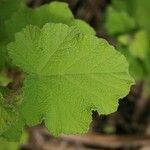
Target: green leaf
137 47
141 11
124 39
83 26
3 90
139 68
123 5
118 22
4 80
13 145
7 7
55 12
8 115
140 45
15 130
2 55
69 74
5 145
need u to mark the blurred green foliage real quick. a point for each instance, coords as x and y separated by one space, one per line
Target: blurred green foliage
9 145
7 7
127 21
15 15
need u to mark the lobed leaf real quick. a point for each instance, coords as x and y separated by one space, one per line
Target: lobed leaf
69 74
